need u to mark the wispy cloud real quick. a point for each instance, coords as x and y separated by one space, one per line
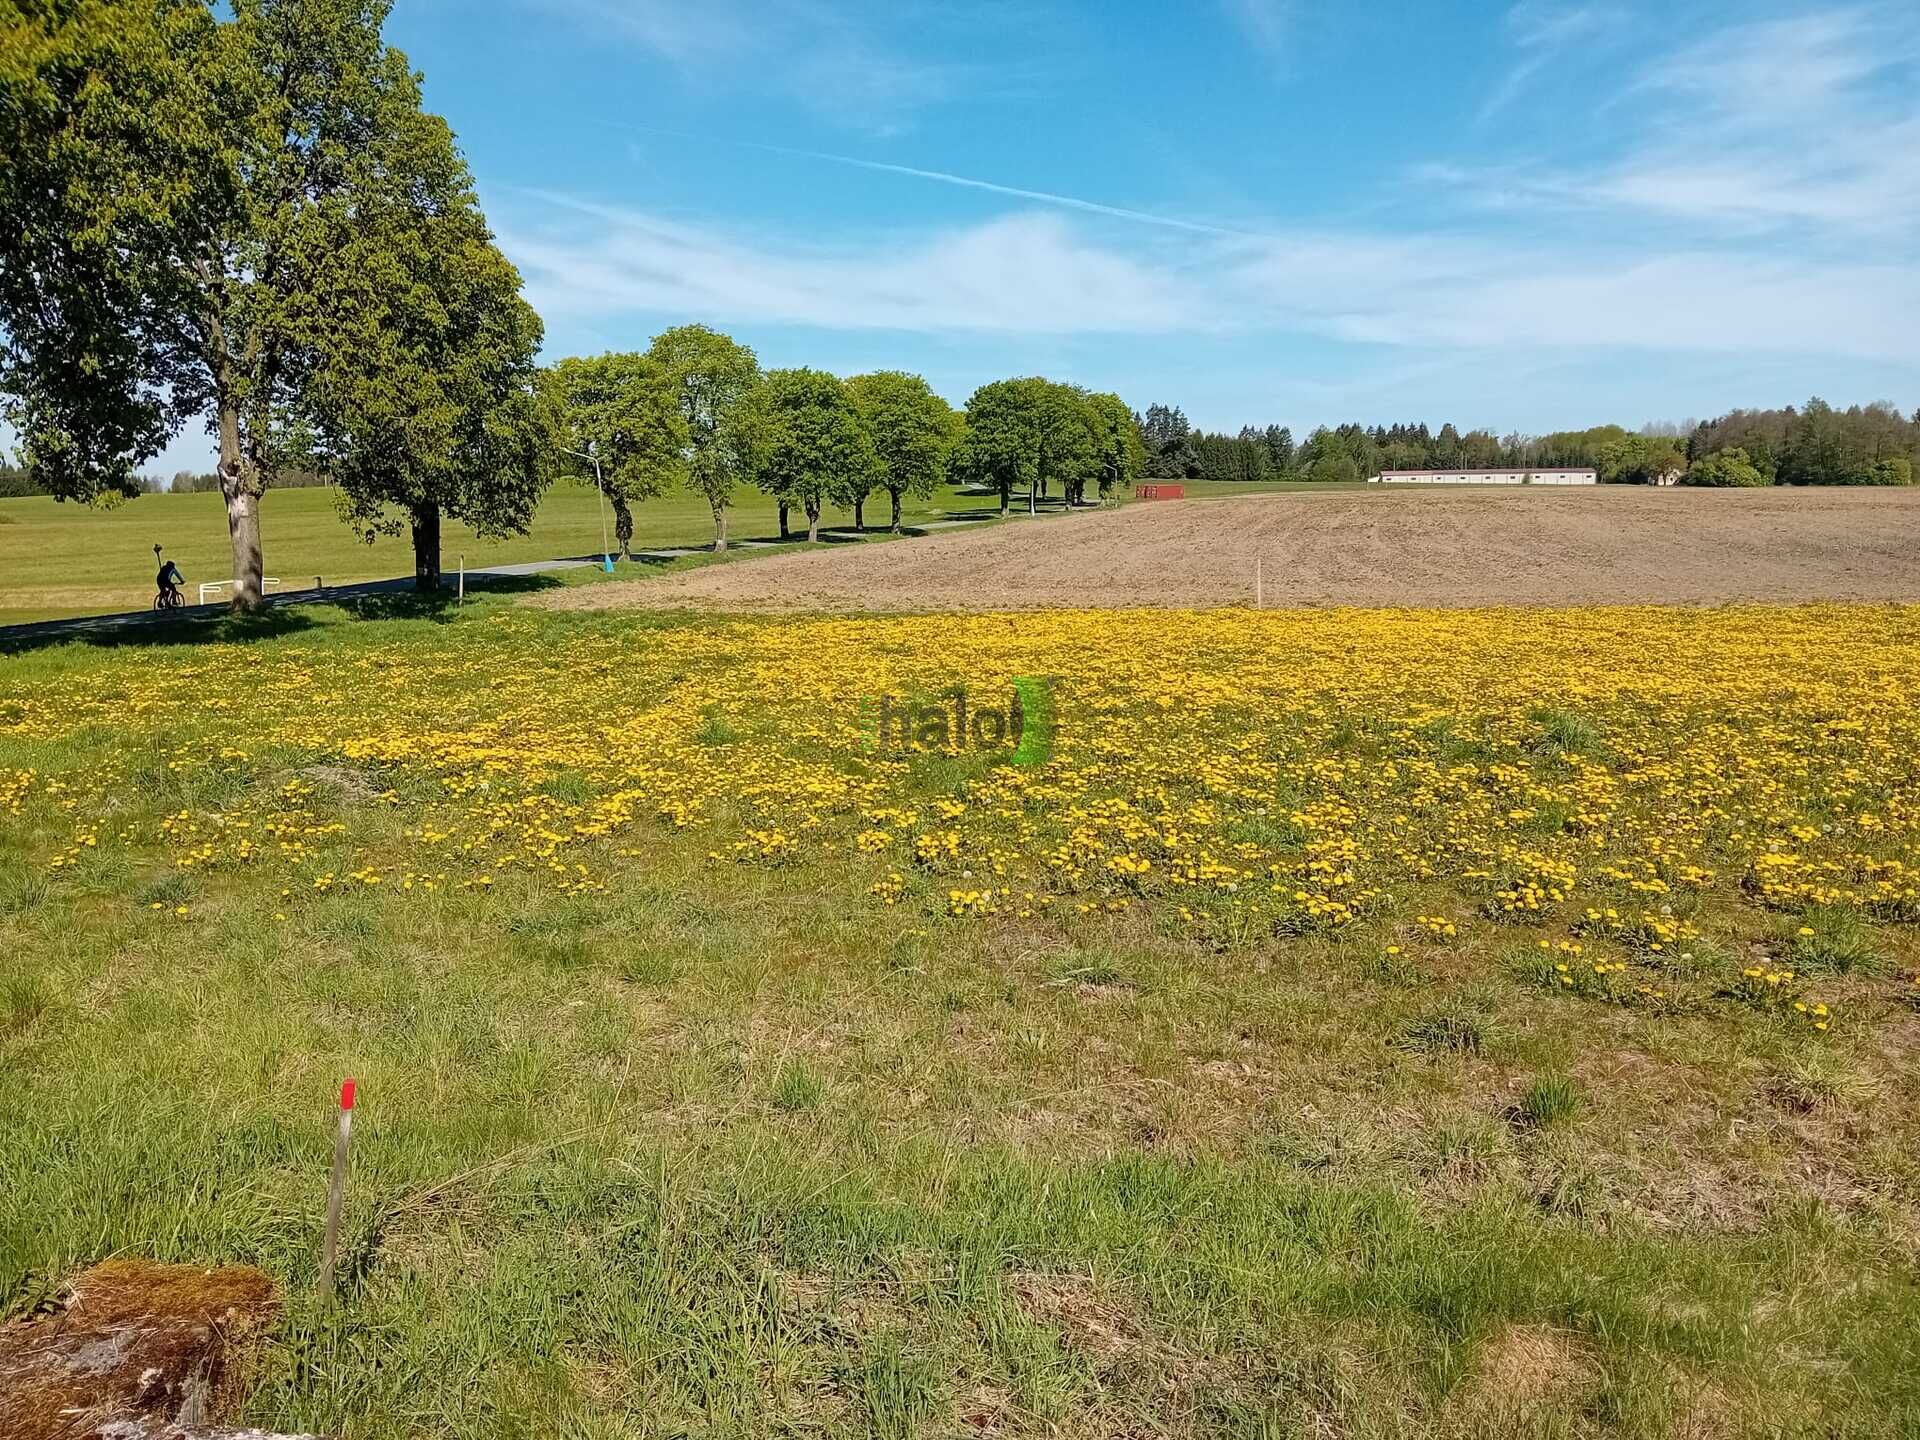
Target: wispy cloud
1540 31
1269 22
1024 273
830 60
1810 120
1034 274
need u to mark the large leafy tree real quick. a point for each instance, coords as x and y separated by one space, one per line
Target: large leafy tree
423 394
1640 459
1069 443
1120 454
811 441
913 432
625 410
173 187
715 378
1002 444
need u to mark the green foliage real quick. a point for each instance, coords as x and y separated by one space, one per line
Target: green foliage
811 446
715 378
187 201
422 394
1833 940
1001 449
1640 459
1119 451
1549 1100
1327 458
1167 439
1457 1029
797 1088
1243 457
624 410
1732 467
912 429
1030 434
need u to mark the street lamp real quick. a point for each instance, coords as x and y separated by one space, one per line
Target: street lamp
587 454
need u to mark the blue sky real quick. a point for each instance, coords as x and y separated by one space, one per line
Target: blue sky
1521 216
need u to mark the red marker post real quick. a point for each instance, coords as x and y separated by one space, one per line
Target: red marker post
336 1190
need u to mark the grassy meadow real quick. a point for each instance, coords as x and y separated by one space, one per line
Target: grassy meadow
62 559
1364 1023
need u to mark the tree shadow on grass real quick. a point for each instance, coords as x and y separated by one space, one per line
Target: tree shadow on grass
287 615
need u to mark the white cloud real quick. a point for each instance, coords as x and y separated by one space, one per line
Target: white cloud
1809 121
1034 274
1026 273
1540 31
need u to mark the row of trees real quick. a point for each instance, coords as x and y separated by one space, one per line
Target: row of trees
695 410
1815 445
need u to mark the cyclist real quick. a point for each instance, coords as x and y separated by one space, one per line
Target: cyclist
167 583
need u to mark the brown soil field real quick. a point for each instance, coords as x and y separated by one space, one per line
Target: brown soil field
1400 547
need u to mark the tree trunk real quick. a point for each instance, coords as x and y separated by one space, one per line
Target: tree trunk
240 487
896 511
426 549
813 522
719 530
783 519
1006 498
860 514
623 525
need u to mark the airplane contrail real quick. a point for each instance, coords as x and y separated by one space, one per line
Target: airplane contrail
945 177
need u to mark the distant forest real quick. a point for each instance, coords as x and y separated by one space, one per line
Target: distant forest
1814 444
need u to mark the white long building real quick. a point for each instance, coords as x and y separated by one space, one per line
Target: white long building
1485 477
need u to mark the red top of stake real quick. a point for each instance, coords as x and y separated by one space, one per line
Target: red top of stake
346 1093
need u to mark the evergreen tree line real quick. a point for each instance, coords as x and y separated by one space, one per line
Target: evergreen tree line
1815 444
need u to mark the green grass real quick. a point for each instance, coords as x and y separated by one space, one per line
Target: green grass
64 559
718 1150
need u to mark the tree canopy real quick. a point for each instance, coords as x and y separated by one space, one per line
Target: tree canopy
810 446
623 410
423 392
180 194
714 377
1724 468
912 429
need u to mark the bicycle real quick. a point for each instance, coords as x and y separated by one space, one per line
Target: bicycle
168 599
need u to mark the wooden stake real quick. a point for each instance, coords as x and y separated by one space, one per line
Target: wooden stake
336 1189
463 581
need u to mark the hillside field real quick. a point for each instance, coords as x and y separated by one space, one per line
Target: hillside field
1366 1023
1395 545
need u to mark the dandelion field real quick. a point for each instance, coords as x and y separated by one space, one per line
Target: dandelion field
1363 1022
